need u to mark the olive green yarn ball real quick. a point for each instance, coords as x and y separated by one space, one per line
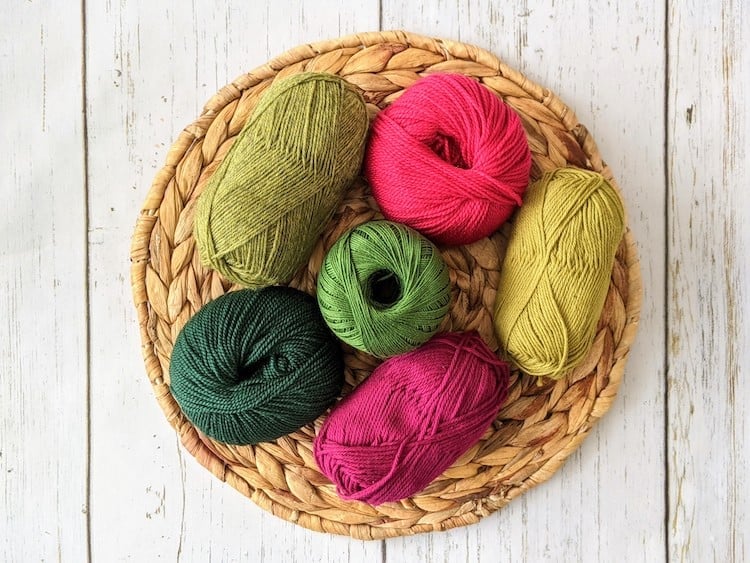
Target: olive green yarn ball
383 288
252 366
263 209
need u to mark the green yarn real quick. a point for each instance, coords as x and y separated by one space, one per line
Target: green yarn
263 209
383 288
252 366
556 272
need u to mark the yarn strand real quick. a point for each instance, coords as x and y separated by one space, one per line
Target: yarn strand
264 208
412 418
449 159
383 252
252 366
556 272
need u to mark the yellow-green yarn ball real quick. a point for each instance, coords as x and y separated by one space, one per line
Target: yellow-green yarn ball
556 271
261 212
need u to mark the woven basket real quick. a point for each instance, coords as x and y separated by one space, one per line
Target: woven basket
541 424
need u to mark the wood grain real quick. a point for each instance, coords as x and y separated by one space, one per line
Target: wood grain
151 66
43 365
597 489
708 245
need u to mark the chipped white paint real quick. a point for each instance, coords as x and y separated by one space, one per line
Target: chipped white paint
709 301
43 357
607 502
150 65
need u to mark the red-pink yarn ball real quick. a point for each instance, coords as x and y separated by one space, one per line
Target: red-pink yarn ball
448 158
412 418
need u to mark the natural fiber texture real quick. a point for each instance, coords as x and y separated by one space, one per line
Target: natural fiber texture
543 421
383 289
266 205
556 271
423 409
252 366
449 159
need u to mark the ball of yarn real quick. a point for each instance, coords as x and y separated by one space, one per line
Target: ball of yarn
448 158
383 288
556 271
252 366
267 203
412 419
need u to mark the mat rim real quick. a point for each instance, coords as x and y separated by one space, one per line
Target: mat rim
360 523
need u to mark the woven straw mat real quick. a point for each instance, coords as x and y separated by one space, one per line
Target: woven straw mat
541 424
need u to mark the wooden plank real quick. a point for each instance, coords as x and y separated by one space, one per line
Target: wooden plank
151 66
708 238
43 371
607 61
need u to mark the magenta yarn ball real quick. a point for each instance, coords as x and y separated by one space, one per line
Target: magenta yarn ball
412 418
449 159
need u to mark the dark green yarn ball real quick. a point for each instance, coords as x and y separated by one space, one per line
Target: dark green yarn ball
252 366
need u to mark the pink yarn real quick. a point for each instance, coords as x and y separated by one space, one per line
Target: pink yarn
448 158
412 418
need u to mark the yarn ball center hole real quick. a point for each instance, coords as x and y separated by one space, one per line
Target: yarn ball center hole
448 149
276 363
383 289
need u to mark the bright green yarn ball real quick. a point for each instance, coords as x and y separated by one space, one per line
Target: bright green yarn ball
383 288
252 366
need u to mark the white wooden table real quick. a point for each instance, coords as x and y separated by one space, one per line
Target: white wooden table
91 95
